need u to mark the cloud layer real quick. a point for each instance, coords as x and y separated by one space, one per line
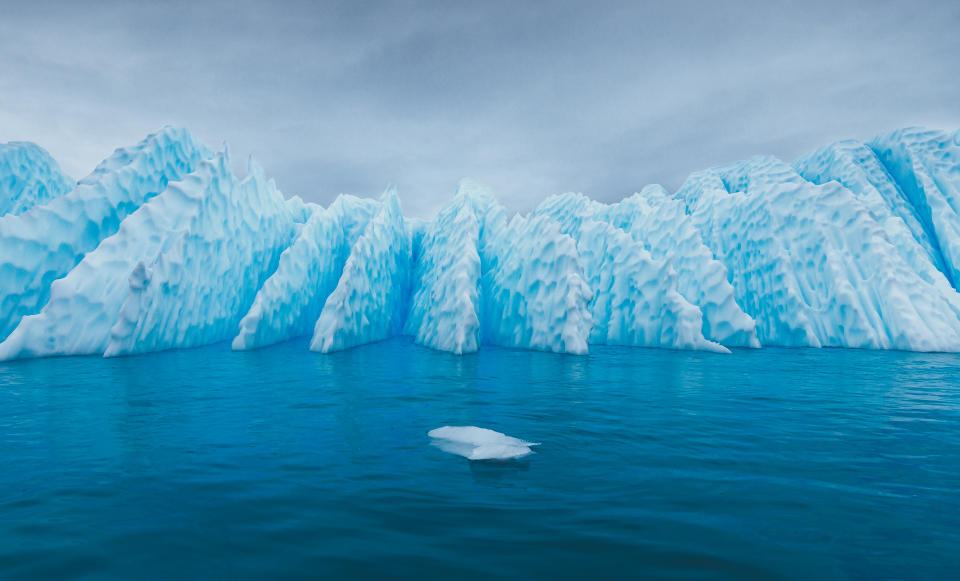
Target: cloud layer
531 100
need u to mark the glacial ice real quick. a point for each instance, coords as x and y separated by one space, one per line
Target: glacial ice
535 295
206 277
812 266
853 245
926 166
28 177
85 304
369 301
475 443
290 301
660 222
46 242
635 300
445 309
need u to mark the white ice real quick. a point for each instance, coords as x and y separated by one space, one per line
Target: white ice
475 443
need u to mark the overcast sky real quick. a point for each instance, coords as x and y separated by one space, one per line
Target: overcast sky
528 98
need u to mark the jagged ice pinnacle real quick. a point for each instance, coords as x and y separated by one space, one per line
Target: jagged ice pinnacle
852 245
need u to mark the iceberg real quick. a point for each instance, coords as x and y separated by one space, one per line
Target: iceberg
811 264
475 443
856 167
289 302
635 300
926 166
481 278
28 177
445 308
853 245
661 223
535 295
370 299
85 304
46 242
195 291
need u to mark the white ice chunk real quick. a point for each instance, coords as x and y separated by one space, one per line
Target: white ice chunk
475 443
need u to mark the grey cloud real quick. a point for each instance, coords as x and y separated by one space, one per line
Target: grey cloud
529 98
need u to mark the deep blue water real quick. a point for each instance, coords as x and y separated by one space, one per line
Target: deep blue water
285 464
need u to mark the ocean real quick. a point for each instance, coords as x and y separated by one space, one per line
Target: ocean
653 464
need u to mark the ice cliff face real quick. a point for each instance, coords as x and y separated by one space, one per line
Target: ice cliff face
289 302
853 245
660 223
370 299
925 165
812 265
635 299
46 242
534 290
198 288
445 310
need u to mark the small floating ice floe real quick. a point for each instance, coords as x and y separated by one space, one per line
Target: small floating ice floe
475 443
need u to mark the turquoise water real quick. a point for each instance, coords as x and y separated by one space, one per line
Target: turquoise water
284 464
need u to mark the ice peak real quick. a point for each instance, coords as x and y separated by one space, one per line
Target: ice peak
852 245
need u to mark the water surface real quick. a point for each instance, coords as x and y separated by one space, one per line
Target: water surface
286 464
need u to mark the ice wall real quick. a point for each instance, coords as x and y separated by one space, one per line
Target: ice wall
369 301
535 295
46 242
660 222
290 301
85 304
926 166
198 288
853 245
445 309
635 299
811 264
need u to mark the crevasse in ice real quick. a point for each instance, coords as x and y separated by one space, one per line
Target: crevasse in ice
853 245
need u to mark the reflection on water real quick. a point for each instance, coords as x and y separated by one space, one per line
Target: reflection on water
281 463
499 472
